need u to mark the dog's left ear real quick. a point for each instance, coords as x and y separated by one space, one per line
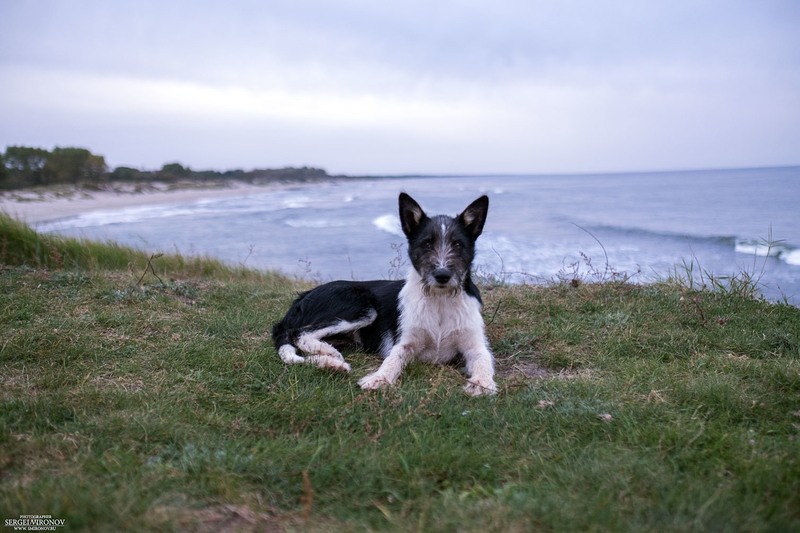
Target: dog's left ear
474 216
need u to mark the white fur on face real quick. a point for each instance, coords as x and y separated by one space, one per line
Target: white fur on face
444 249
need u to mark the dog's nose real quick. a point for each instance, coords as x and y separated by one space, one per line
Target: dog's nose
442 275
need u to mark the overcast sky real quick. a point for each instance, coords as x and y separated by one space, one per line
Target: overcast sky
418 86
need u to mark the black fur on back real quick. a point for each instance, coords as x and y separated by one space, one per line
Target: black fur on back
336 301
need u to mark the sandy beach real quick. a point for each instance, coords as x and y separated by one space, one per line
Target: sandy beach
37 206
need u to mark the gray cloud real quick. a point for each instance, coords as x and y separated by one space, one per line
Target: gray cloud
422 86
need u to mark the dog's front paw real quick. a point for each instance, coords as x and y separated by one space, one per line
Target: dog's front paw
478 386
374 381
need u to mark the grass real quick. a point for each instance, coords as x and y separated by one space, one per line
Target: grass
21 245
744 284
143 393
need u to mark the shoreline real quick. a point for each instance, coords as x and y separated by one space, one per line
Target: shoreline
34 206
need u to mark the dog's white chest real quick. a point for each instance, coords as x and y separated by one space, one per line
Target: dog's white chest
439 325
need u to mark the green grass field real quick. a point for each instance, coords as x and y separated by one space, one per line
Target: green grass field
145 394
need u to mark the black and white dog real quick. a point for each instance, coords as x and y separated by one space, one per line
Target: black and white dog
433 315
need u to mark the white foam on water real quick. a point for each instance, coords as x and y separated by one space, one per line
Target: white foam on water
792 257
761 249
388 223
121 216
315 223
787 254
296 202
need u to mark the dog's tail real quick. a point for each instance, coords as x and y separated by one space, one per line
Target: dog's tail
282 339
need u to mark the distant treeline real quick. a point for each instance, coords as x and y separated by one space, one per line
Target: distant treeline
24 166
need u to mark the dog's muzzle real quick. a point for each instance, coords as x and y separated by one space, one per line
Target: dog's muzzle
442 281
442 276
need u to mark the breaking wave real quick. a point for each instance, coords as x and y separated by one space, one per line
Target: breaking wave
315 223
758 247
389 224
766 249
126 216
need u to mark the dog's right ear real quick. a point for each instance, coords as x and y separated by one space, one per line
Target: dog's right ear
411 214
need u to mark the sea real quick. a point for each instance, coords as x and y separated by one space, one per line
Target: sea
707 225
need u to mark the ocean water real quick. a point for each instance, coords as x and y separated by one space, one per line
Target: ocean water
540 228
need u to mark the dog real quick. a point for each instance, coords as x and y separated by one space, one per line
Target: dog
433 315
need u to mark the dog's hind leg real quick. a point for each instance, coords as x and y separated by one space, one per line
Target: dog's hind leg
323 354
320 353
329 357
289 355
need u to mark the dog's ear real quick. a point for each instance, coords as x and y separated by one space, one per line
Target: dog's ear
474 216
411 214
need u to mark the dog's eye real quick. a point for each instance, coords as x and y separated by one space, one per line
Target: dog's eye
458 245
427 244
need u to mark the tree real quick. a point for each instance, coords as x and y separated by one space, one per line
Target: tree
25 165
4 174
96 168
125 174
73 165
172 171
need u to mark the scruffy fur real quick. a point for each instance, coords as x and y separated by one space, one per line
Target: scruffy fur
433 315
